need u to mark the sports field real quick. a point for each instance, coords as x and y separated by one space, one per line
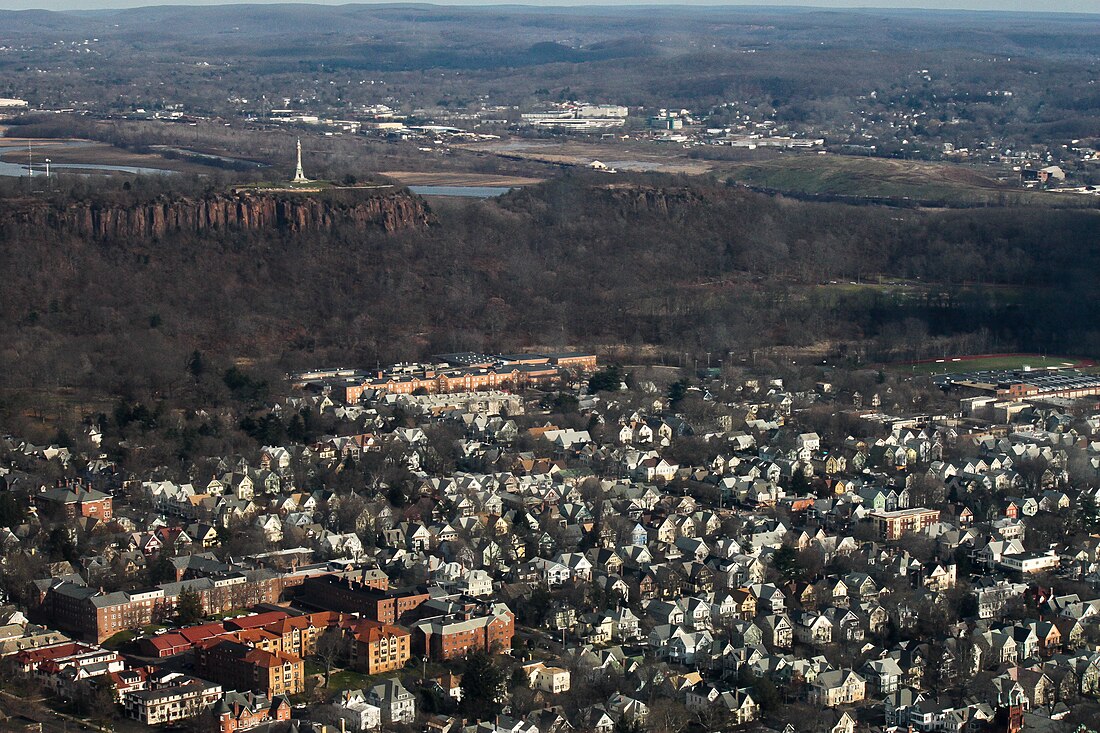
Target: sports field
991 361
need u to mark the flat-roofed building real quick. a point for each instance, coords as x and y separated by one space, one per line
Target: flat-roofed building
892 525
176 698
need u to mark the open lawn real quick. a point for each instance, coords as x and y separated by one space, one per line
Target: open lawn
627 156
858 176
347 679
981 363
120 639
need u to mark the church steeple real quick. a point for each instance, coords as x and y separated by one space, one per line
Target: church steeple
299 174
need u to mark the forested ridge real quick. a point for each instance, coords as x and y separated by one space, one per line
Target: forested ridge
676 264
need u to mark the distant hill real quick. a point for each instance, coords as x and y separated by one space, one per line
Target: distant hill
587 259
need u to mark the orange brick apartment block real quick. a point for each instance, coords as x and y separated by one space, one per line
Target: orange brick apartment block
240 667
380 647
472 373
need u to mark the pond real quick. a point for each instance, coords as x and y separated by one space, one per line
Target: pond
480 192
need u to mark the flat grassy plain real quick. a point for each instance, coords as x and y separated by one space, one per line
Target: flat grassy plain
633 155
883 178
982 363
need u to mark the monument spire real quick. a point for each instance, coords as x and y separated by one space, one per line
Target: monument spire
299 174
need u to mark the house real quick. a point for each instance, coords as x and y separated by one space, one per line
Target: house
813 628
779 629
448 686
883 676
844 722
397 704
594 628
624 624
624 707
744 603
552 680
74 499
243 711
353 712
736 703
838 687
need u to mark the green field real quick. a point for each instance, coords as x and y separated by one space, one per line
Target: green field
985 363
842 175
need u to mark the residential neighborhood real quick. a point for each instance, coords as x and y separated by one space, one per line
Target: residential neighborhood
584 551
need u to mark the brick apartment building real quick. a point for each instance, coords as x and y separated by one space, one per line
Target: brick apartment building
271 631
467 372
379 647
96 616
453 635
55 657
350 596
892 525
241 667
298 635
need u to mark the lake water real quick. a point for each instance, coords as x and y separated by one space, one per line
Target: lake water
42 151
20 169
479 192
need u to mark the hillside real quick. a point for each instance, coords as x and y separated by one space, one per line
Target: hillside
653 261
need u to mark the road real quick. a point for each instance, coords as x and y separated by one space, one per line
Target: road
51 721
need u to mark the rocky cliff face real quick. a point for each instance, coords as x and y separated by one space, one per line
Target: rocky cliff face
635 199
389 212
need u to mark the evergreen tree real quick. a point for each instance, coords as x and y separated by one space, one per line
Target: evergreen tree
608 380
482 685
195 365
189 607
161 570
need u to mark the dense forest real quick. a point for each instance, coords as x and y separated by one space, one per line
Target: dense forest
665 265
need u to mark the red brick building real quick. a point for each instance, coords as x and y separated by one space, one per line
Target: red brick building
892 525
379 647
240 667
94 615
76 499
244 711
350 596
452 636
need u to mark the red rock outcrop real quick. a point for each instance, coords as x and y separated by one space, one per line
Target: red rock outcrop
390 212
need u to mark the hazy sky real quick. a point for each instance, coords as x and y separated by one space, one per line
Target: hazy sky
1079 6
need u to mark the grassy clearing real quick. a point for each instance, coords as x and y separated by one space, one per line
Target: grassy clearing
1020 361
840 175
347 679
120 639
